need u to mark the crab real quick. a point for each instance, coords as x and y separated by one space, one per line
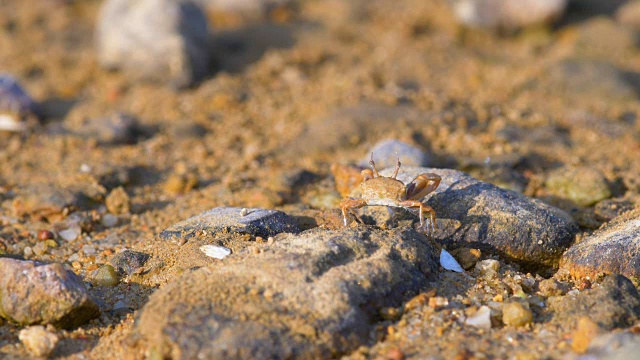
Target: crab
380 190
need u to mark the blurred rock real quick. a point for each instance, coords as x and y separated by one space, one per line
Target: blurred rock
384 154
38 341
622 345
629 15
33 293
317 294
128 262
475 214
614 249
111 130
118 202
161 40
584 186
507 14
613 304
47 198
105 275
248 7
18 111
260 222
516 313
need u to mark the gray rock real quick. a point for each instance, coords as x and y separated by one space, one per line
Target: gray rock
507 14
49 198
33 293
583 186
17 109
162 40
621 345
128 262
479 215
384 154
259 222
613 304
312 295
615 249
111 130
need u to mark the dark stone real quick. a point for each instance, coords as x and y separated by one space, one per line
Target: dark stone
259 222
128 262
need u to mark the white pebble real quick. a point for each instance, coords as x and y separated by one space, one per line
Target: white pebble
481 319
88 250
216 252
449 263
109 220
71 233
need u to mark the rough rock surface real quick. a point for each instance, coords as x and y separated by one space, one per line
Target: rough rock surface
165 40
475 214
315 294
33 293
258 222
615 249
614 304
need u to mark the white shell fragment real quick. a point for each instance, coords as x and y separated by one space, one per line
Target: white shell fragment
449 263
481 319
217 252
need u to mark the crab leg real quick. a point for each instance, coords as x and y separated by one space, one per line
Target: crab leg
423 209
348 204
373 165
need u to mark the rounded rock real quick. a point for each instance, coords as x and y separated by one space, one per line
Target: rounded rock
516 314
384 154
38 340
584 186
105 276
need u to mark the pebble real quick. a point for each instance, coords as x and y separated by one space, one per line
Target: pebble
481 318
71 233
38 341
586 331
488 268
623 345
118 202
607 250
552 287
158 40
128 262
48 198
259 222
88 250
338 278
18 111
507 14
44 235
109 220
40 248
613 304
216 252
384 154
516 314
34 293
584 186
105 275
448 262
467 257
117 129
521 229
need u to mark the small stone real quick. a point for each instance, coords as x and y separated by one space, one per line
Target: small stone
40 248
105 276
88 250
384 154
216 252
467 257
116 129
47 198
45 235
38 340
481 318
128 262
118 202
18 111
27 251
109 220
258 222
516 314
551 287
586 331
180 183
158 40
507 14
71 233
33 293
437 302
488 268
584 186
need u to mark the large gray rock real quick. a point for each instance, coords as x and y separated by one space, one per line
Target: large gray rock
614 249
479 215
163 40
259 222
34 293
312 295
